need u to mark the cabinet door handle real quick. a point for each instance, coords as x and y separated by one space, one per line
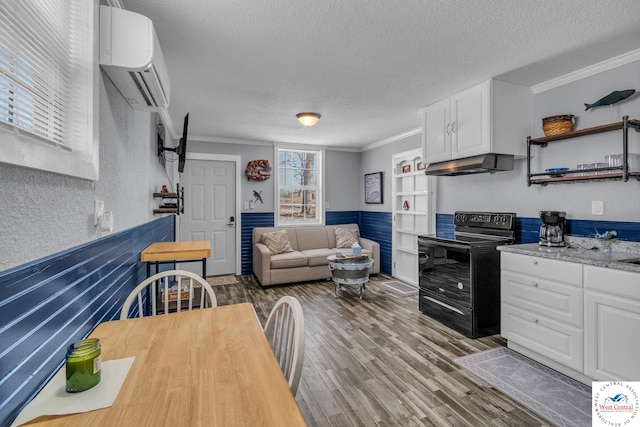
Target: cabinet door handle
448 128
535 320
534 262
453 127
535 284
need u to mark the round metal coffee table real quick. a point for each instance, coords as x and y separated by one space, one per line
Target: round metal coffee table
350 271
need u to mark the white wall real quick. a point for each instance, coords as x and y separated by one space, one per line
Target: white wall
43 213
508 191
342 171
380 159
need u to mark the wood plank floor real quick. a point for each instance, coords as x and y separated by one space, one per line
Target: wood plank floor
380 362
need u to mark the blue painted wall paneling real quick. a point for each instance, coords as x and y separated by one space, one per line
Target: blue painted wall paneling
629 231
444 224
527 228
249 222
377 226
342 217
47 304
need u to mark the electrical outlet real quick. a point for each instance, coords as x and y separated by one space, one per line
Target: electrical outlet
98 211
597 207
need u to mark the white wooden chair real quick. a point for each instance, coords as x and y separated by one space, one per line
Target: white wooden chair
160 285
285 332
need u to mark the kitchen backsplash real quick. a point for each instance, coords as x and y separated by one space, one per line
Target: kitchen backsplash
527 228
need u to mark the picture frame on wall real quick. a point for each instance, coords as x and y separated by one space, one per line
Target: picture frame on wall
373 188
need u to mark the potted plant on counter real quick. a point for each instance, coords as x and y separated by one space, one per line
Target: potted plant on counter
606 239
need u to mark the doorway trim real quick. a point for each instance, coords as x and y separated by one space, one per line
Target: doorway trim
237 159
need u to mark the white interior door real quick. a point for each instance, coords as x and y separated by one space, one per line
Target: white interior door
210 212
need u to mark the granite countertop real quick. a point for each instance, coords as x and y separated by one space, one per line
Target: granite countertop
584 251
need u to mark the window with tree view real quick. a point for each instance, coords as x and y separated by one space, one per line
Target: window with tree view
299 187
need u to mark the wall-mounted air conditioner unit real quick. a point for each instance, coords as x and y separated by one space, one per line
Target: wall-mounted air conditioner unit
130 55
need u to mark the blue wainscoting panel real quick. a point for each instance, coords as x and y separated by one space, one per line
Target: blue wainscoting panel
528 229
444 224
629 231
249 221
342 217
47 304
377 226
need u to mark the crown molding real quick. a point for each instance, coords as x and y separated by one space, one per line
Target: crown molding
589 71
392 139
221 140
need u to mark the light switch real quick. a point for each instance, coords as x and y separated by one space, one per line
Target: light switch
597 207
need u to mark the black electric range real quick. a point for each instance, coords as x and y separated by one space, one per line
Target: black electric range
459 272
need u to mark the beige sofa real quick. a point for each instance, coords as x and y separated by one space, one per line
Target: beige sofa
308 261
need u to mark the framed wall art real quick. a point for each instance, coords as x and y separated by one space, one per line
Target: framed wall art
373 188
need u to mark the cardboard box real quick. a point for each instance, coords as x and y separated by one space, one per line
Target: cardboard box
184 299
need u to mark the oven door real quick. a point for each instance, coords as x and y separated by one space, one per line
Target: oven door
445 283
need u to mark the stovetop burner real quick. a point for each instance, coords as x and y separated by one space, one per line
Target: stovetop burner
479 229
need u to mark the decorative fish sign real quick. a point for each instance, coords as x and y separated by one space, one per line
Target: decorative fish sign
612 98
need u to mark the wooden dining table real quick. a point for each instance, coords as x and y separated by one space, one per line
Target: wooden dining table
209 367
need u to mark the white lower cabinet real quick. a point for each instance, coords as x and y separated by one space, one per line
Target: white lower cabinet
541 314
579 319
612 319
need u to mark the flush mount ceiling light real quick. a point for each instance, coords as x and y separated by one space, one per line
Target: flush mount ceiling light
308 119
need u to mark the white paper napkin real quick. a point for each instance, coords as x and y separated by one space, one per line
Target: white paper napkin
54 399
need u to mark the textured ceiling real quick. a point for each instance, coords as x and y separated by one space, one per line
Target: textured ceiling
243 69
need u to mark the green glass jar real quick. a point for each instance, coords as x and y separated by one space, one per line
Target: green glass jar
83 365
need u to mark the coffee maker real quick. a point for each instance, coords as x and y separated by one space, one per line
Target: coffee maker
552 228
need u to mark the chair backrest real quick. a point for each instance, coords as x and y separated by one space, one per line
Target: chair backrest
285 332
173 290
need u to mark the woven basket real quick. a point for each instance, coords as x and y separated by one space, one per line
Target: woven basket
556 125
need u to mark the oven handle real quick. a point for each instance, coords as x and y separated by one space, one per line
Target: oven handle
436 244
450 307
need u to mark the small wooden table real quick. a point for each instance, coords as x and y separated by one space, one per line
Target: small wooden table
170 252
209 367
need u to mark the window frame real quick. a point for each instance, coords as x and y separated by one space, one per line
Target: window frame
320 187
78 158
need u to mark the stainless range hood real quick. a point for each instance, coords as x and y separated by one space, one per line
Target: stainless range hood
491 163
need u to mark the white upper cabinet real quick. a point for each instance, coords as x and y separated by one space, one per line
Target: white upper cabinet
492 117
436 132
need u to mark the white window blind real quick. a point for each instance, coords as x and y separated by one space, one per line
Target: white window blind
47 85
